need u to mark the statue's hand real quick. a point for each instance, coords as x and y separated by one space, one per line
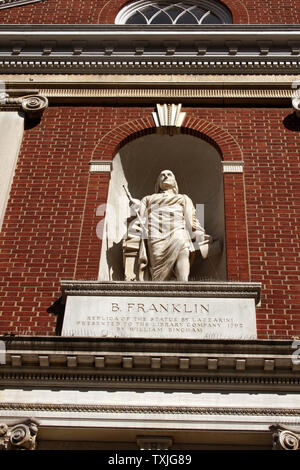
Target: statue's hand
135 229
198 236
208 238
134 206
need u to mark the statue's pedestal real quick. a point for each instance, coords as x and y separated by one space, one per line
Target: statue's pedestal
160 310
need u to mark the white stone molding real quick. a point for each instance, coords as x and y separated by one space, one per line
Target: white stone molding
19 436
161 411
168 115
285 438
92 49
242 365
233 167
178 93
101 166
68 407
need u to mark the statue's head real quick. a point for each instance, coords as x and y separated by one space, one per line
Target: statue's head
166 180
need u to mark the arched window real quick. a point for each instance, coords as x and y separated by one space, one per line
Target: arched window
167 12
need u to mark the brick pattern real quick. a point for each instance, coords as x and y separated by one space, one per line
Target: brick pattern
49 231
104 12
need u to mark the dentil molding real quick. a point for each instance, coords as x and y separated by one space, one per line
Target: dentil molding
177 49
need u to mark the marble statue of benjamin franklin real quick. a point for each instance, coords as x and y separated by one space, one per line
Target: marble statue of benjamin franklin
168 232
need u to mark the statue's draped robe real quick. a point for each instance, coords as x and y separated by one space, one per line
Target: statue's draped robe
169 221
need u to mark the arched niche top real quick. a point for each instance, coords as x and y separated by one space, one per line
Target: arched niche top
157 12
110 143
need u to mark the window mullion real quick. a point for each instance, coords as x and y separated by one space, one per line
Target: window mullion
204 16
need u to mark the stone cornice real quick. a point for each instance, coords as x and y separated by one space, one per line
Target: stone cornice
149 95
116 48
255 29
201 364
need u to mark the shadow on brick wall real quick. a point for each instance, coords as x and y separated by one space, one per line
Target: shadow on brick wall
292 122
58 308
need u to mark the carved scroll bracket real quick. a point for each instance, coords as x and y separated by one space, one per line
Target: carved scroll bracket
19 436
285 438
33 105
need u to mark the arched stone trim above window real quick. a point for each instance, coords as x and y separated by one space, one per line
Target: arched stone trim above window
158 12
16 3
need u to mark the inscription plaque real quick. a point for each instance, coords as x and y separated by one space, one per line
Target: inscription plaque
160 317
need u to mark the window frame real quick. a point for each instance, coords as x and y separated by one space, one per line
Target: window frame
211 6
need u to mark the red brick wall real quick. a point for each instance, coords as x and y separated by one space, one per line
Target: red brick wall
49 231
104 12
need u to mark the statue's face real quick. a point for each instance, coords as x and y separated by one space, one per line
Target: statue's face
166 179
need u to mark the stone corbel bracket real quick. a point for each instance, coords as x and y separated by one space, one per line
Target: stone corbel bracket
168 118
32 105
285 438
19 436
